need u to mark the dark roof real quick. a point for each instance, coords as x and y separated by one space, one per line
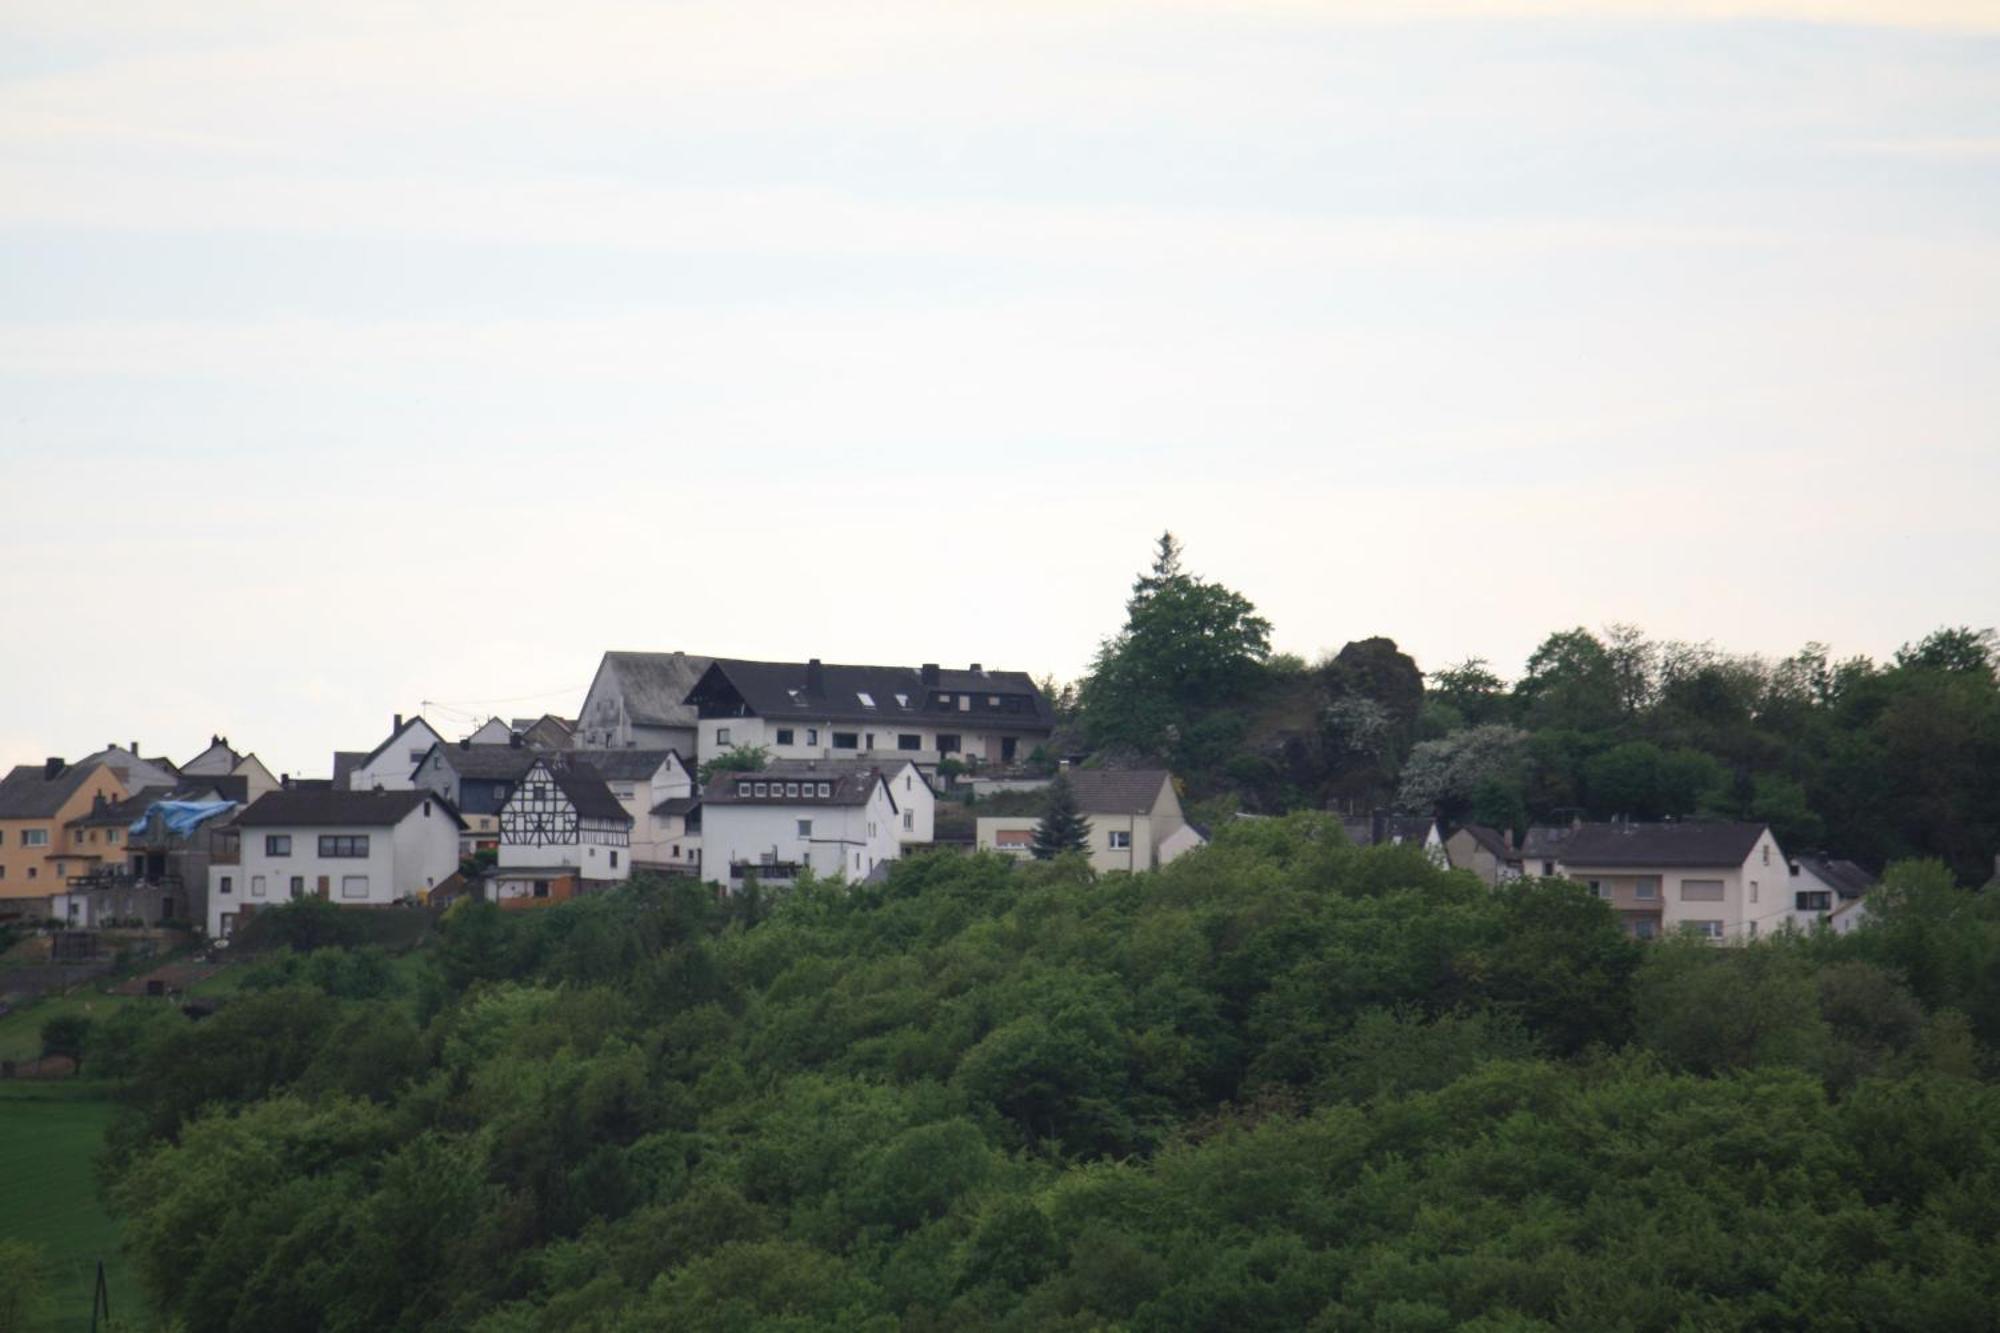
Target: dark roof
1117 791
886 765
327 808
344 764
848 789
28 792
1846 878
655 686
677 805
1695 842
583 785
374 754
1489 840
1414 830
831 692
121 813
623 765
1545 842
507 762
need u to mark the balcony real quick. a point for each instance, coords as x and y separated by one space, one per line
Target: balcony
767 872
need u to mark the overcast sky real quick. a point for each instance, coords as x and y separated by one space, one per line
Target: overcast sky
352 357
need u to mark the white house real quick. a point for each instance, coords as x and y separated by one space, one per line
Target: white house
220 760
656 788
1134 815
815 710
561 822
354 848
638 701
493 731
390 766
916 799
774 825
1828 892
1725 881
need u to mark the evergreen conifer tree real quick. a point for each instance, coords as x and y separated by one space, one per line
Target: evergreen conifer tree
1063 827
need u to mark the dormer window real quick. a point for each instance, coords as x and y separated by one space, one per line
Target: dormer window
902 701
742 789
825 790
763 789
791 789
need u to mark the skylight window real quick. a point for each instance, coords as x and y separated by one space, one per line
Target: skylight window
902 701
867 699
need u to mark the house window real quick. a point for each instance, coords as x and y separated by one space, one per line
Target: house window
228 885
111 835
1753 930
1767 853
1119 840
846 740
354 886
298 886
35 837
791 789
909 741
277 844
1018 839
1810 900
1646 888
541 888
228 924
909 821
1701 890
343 845
902 701
1598 888
965 703
1644 928
256 886
614 860
784 735
427 809
1753 890
867 700
622 790
763 789
1548 869
722 735
34 872
1708 930
871 740
947 742
742 789
812 735
805 828
825 790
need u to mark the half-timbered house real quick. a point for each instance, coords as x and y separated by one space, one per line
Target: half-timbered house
562 832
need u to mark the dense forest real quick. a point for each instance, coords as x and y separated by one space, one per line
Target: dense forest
1871 761
1284 1083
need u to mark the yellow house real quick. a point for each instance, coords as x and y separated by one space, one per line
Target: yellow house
37 802
1134 815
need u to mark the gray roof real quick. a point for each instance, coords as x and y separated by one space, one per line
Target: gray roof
28 792
882 695
326 808
507 762
586 791
1545 842
677 805
1695 842
848 789
1117 791
622 765
1489 840
120 813
1412 829
655 685
1847 879
803 767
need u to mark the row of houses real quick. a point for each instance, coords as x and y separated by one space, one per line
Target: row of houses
812 767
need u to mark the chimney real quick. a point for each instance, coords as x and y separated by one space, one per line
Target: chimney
214 739
97 802
135 748
1507 837
399 724
285 781
815 677
978 669
930 673
513 740
52 768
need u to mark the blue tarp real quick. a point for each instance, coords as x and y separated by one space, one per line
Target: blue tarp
183 817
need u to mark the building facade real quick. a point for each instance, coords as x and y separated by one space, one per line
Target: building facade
561 821
37 804
774 826
1134 814
639 701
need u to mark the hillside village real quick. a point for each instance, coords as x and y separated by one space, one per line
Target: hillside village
736 772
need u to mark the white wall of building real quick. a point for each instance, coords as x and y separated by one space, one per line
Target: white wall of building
812 738
404 861
391 770
846 840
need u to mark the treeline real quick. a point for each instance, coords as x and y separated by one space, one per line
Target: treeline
1284 1083
1871 761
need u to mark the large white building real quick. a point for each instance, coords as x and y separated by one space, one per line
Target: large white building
651 785
815 710
774 825
354 848
1725 881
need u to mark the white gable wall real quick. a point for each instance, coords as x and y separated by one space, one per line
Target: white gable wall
391 770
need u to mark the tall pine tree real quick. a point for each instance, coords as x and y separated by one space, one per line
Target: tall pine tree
1063 827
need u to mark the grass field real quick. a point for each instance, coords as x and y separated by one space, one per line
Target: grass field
49 1135
21 1031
